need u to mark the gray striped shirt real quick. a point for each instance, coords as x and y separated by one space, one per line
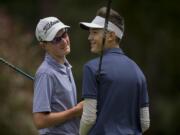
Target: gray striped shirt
55 91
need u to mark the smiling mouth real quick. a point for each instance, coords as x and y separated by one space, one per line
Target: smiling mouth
65 46
92 43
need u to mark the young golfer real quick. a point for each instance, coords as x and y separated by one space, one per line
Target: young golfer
55 108
117 103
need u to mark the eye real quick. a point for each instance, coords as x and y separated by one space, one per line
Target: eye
93 32
64 34
57 40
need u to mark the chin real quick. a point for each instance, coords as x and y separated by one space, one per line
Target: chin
94 51
67 51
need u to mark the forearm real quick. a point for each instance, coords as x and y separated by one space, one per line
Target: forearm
44 120
144 118
89 116
85 127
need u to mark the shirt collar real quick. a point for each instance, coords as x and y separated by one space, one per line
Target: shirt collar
113 50
59 67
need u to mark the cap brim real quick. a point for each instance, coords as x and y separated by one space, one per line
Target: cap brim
87 26
55 30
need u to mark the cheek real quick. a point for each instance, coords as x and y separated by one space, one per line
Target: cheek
67 39
99 43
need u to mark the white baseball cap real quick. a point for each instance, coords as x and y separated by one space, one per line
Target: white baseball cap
98 22
48 27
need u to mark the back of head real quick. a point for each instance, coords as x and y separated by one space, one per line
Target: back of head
114 17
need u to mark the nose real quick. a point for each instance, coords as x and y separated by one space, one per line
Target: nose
64 40
89 37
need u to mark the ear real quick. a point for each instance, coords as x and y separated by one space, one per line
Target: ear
42 45
111 36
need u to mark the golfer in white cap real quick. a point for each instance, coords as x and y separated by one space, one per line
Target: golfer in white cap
115 102
55 108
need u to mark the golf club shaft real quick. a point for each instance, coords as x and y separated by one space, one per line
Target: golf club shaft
103 40
16 69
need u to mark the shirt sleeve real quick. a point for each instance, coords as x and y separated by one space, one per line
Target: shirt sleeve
89 87
43 86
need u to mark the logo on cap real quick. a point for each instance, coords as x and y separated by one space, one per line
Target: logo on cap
49 25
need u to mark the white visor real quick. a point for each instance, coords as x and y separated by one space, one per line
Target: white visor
98 22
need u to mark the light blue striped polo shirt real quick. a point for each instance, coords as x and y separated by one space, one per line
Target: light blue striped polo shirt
55 91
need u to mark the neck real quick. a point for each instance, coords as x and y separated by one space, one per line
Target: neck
59 59
112 45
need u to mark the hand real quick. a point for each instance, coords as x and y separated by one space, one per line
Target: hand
79 108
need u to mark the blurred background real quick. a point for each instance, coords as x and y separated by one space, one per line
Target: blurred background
151 39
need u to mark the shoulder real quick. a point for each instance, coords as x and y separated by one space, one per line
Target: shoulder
138 71
45 69
92 64
135 66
